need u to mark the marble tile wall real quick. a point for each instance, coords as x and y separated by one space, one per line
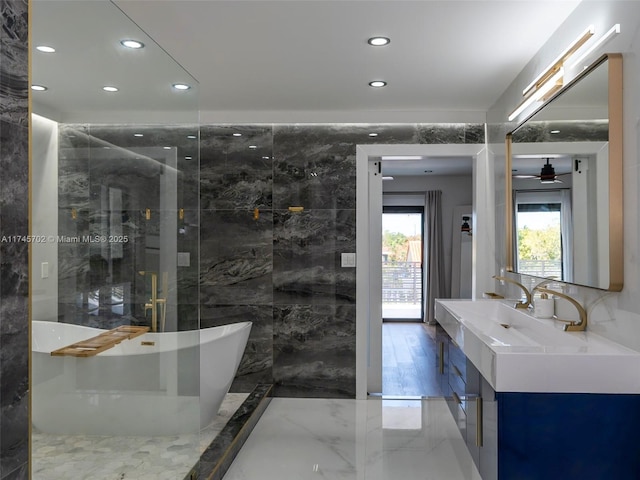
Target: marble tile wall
14 165
281 269
92 160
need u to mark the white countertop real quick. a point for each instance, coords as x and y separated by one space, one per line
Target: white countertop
516 352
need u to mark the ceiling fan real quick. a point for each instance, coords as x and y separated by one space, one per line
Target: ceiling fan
547 174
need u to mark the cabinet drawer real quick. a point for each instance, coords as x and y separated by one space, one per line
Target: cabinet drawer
458 361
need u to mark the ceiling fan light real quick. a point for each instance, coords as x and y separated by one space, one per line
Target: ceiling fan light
548 173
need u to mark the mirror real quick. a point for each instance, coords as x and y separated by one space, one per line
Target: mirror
564 195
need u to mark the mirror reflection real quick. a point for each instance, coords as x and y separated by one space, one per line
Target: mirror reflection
115 384
565 196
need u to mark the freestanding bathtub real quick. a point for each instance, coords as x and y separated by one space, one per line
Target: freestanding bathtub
154 384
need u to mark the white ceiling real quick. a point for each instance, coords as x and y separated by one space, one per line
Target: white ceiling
296 55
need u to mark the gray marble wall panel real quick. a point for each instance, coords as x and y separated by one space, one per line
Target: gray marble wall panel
314 350
128 163
307 257
313 296
236 169
566 131
14 186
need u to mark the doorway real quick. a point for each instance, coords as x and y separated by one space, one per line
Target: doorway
369 243
402 272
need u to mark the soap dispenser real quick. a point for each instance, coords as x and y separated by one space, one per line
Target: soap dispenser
543 307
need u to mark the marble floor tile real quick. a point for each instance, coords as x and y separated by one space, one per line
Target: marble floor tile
374 439
62 457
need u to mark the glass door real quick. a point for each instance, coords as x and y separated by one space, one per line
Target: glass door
402 277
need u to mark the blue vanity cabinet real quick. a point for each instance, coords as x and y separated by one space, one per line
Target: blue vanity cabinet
471 400
538 435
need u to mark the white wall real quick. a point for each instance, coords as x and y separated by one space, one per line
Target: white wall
44 141
456 190
614 315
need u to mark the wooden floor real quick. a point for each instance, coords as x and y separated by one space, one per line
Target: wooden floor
409 360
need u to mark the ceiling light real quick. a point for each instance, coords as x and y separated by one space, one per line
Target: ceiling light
181 86
188 157
191 136
138 135
428 171
378 83
379 41
253 146
166 148
39 88
108 88
387 178
554 131
135 44
402 157
45 49
373 134
237 134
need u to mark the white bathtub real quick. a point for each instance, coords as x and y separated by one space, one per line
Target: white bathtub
154 384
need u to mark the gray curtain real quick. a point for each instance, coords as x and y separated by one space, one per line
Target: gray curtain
434 271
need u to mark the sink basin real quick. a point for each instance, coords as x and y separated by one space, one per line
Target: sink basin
517 352
506 326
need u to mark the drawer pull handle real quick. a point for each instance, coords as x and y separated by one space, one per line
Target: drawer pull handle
456 398
479 431
441 358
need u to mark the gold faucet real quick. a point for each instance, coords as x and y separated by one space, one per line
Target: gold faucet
154 301
571 326
521 304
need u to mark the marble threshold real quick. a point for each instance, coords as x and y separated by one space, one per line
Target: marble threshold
341 439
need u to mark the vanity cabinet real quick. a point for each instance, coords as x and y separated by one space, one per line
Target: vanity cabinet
471 401
535 435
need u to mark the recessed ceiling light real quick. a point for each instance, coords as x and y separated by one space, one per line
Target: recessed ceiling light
387 178
109 88
428 171
373 134
253 146
191 136
378 83
135 44
554 131
138 135
167 148
188 157
45 49
181 86
237 134
379 41
39 88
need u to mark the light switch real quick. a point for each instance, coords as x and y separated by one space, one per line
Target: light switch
184 259
348 260
44 267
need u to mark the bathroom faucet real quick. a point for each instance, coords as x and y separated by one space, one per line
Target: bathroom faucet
571 326
521 304
154 301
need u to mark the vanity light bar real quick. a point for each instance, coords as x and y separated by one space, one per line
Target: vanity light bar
601 41
557 63
543 93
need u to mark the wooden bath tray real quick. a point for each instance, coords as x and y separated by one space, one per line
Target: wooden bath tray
100 343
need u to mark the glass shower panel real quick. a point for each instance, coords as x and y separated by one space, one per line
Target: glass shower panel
115 378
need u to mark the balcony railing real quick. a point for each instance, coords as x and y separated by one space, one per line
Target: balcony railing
401 282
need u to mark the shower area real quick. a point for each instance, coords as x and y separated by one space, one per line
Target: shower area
122 384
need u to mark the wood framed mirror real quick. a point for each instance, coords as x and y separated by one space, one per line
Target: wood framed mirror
564 203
